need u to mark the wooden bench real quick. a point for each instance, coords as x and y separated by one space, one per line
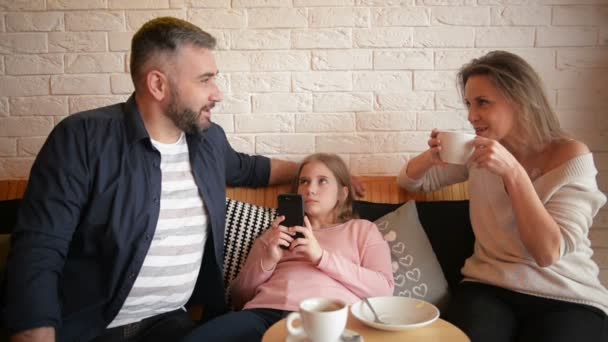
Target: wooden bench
12 189
381 189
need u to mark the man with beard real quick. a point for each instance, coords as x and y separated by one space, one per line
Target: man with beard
122 222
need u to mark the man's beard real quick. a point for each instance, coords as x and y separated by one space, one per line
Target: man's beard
185 118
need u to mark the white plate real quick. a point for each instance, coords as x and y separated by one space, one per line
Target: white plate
401 313
346 336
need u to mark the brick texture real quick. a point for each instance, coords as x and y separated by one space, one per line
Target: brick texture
367 79
35 21
4 109
17 5
39 106
95 21
14 43
34 64
322 38
75 4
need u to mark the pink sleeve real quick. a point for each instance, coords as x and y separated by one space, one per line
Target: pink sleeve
251 276
373 277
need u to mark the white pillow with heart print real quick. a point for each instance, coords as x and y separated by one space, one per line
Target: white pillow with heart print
416 271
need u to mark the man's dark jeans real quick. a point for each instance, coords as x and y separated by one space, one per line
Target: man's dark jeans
170 326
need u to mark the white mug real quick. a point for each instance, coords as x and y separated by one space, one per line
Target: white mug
456 147
323 319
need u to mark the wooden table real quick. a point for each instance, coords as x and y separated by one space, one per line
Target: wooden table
440 330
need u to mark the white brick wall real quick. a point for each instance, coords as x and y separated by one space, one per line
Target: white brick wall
338 17
4 107
363 78
95 21
129 4
23 43
322 81
342 59
261 39
33 64
34 21
322 38
77 41
39 106
75 4
260 82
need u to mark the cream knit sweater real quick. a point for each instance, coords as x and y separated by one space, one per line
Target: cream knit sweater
570 195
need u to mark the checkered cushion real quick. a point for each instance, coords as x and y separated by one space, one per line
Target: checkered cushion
244 223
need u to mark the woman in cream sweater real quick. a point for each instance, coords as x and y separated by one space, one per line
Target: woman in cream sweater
533 196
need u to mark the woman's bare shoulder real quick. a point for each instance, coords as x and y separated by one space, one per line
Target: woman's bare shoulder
564 150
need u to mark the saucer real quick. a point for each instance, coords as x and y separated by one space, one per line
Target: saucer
399 313
347 336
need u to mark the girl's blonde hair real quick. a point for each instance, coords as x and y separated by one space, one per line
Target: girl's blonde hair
343 209
521 85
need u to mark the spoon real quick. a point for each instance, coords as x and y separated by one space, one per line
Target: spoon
349 336
376 318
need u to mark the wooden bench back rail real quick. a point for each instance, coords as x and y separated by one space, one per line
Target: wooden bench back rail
380 189
12 189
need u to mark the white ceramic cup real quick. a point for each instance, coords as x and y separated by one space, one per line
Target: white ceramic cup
456 147
323 319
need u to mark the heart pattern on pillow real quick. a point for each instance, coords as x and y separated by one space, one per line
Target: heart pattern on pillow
416 271
405 293
399 247
420 290
399 280
406 260
413 275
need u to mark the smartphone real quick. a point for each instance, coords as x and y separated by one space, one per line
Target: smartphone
292 207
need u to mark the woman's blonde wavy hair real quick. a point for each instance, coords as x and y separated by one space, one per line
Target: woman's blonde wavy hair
521 85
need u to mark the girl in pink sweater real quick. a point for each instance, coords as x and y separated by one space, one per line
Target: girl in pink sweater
339 257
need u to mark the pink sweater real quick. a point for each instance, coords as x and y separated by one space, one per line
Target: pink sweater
356 263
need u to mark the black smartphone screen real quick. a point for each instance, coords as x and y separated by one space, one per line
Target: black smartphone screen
292 207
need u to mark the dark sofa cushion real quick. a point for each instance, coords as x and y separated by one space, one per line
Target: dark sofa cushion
8 219
8 215
372 211
447 226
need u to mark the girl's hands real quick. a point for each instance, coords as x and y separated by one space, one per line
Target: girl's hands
491 155
276 236
308 245
434 148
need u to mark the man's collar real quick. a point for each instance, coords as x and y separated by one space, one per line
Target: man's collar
136 130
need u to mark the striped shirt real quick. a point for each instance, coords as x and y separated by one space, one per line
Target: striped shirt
170 269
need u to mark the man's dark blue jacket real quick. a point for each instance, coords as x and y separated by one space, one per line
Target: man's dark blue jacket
89 214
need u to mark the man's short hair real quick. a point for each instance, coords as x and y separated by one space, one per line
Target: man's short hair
164 35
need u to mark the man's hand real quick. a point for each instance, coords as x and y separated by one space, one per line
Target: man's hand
43 334
282 171
358 187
